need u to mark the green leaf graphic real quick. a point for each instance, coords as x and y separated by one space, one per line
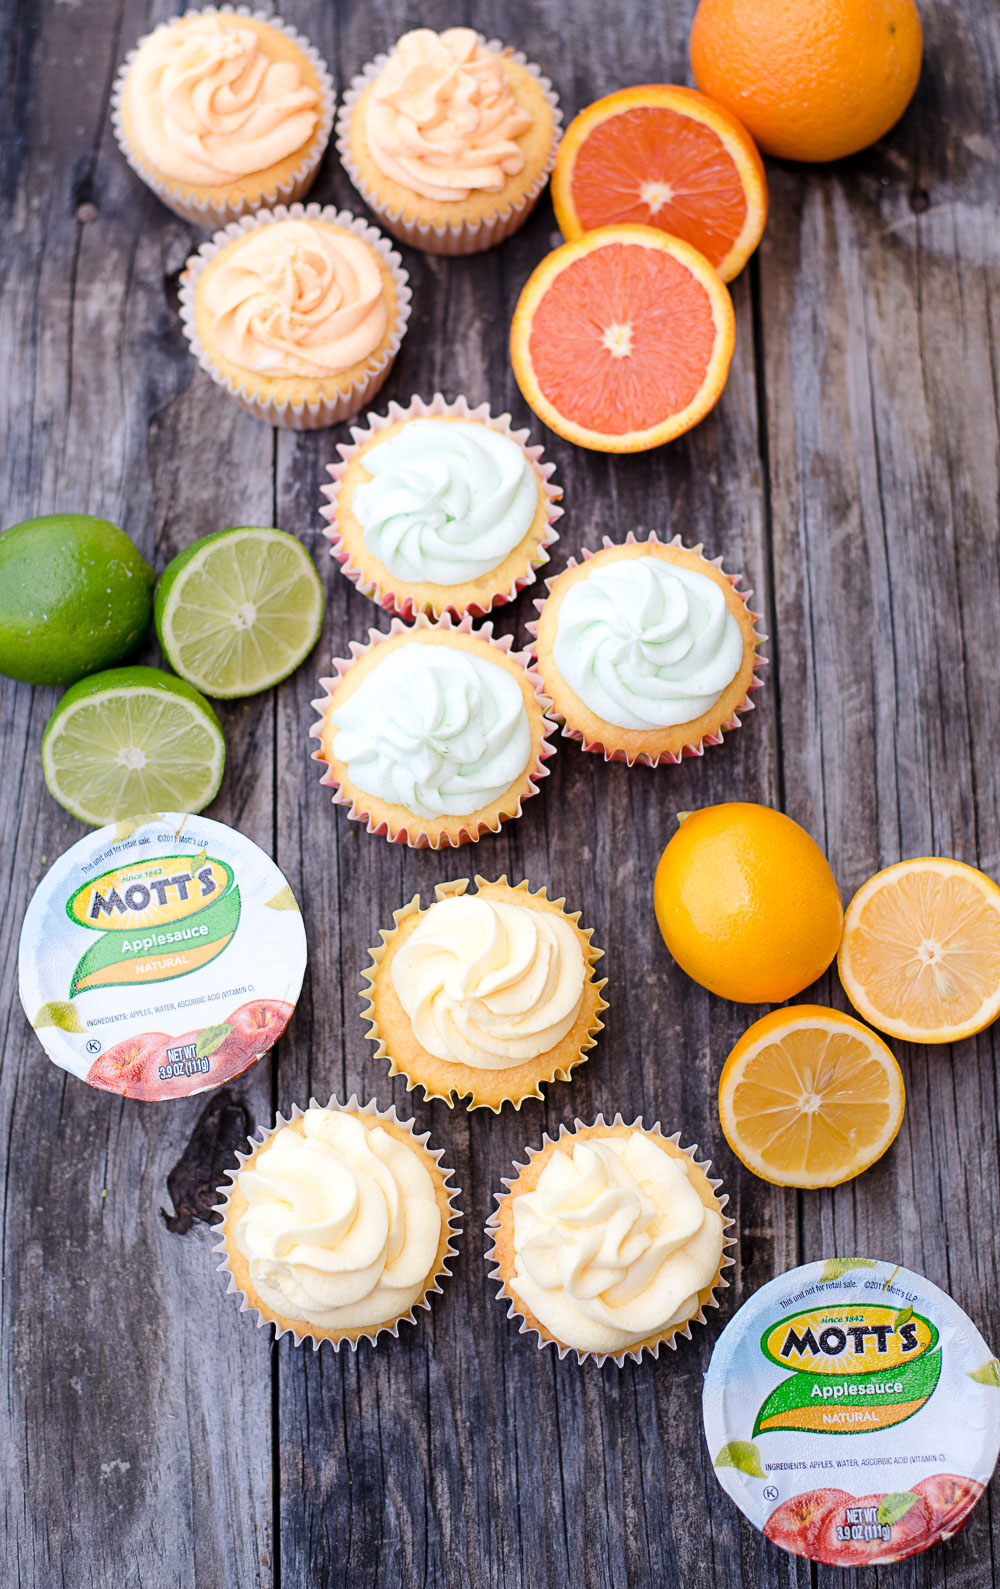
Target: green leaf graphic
59 1013
833 1268
284 899
987 1373
741 1454
198 860
904 1316
211 1038
892 1507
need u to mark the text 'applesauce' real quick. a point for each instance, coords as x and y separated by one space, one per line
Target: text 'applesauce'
161 956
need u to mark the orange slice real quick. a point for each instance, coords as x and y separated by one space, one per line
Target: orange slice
920 955
668 157
810 1097
622 339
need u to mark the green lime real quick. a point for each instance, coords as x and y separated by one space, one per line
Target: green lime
239 610
132 740
75 597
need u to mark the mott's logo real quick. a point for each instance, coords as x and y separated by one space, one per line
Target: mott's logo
158 918
858 1367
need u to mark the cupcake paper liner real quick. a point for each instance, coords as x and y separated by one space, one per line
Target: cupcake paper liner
635 1352
415 834
559 1072
467 237
205 212
418 408
667 758
432 1288
323 411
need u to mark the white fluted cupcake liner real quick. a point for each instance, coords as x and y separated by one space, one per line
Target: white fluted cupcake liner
635 1353
414 834
418 408
466 237
316 414
209 213
696 748
441 1272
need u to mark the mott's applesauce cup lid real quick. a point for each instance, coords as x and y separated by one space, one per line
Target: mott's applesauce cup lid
161 956
852 1411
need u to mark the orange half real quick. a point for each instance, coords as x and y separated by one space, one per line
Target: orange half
810 1097
668 157
920 955
622 339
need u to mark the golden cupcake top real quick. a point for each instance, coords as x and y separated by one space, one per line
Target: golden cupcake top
209 103
441 119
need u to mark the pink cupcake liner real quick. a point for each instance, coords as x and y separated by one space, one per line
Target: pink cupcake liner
205 212
466 237
418 408
414 834
634 1353
323 411
668 758
454 1229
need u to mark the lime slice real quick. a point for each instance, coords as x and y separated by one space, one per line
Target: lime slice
132 740
236 612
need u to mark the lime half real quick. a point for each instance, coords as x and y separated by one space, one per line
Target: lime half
132 740
236 612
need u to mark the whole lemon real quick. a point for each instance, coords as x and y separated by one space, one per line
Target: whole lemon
75 598
809 79
747 903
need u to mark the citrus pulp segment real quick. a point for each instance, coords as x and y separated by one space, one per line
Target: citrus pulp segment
809 1097
920 954
622 339
237 611
130 741
668 157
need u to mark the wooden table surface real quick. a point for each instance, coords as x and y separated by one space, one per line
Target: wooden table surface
155 1437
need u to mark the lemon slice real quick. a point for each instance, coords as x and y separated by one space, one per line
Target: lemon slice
920 955
810 1097
129 741
236 612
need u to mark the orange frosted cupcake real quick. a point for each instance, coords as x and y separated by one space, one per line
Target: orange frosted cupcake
439 507
610 1241
221 112
433 734
648 650
484 995
297 313
450 139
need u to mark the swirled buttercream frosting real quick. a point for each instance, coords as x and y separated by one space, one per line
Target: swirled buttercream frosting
441 119
342 1224
296 298
436 729
646 643
447 500
614 1243
489 983
208 105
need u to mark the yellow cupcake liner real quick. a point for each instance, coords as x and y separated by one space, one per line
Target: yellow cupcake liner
466 237
667 1337
418 408
698 747
440 1272
558 1071
208 213
323 411
414 833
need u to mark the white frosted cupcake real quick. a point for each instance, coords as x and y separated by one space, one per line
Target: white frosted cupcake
220 112
610 1241
337 1224
439 507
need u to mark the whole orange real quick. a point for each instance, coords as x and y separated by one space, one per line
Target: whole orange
747 903
809 79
